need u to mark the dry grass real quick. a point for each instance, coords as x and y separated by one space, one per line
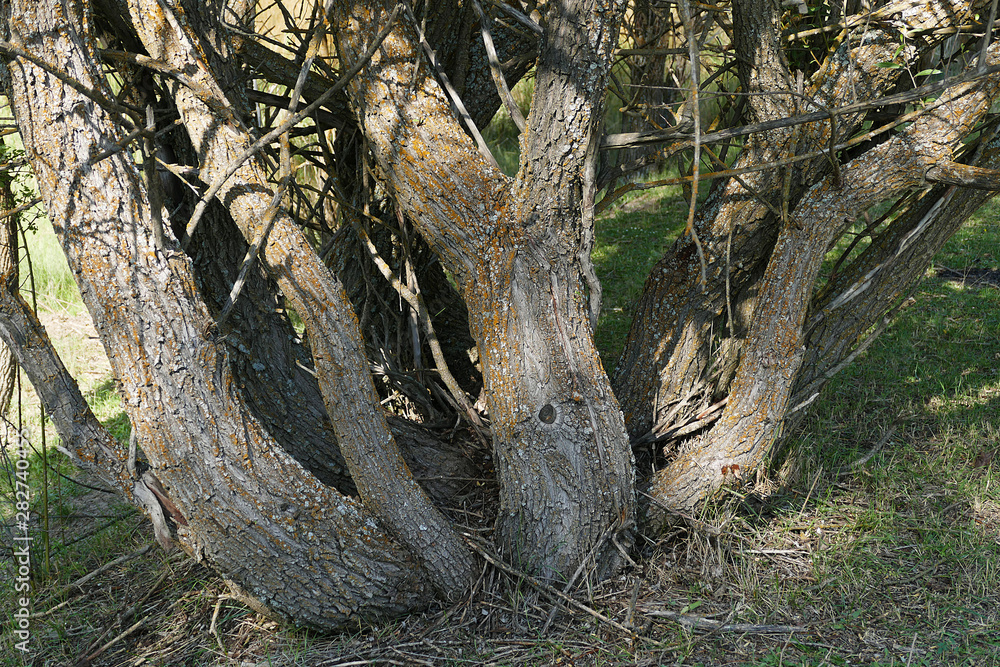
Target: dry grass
874 539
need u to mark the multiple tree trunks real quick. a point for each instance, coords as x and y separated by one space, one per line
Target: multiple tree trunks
765 236
272 458
247 504
518 250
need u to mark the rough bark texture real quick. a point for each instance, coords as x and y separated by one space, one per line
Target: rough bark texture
377 468
764 235
247 504
514 249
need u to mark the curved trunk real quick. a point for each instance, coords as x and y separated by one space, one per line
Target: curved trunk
773 351
769 355
242 503
668 349
379 472
519 252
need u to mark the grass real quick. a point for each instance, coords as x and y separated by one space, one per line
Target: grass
628 243
877 534
53 282
501 134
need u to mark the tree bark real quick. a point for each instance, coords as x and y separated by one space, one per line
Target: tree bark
247 503
265 448
377 468
771 355
515 250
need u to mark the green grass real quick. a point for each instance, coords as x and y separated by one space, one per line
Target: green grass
893 561
627 244
907 546
53 282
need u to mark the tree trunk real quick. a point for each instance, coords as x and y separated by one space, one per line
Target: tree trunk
265 448
246 504
519 251
759 365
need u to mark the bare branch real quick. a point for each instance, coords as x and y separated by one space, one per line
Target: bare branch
636 139
453 95
955 173
73 83
498 77
284 127
524 20
690 230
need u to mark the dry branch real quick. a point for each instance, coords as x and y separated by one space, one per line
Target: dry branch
709 625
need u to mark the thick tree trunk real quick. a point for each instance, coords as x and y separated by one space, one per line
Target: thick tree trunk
260 439
766 354
519 252
246 504
377 468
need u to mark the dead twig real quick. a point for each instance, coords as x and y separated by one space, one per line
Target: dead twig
78 584
707 624
608 533
541 587
219 182
498 78
690 230
416 302
23 207
135 626
453 95
854 465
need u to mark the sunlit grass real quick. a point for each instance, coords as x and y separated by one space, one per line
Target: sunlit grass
501 134
628 243
44 269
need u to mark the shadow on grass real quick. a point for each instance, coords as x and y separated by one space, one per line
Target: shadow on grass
888 534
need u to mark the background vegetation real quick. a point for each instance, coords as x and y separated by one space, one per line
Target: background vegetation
873 538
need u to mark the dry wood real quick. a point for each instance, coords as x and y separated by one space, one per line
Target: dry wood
542 587
708 624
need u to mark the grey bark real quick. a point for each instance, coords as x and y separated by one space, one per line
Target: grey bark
515 248
247 503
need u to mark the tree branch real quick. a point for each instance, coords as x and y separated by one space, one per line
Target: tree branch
956 173
234 166
636 139
498 78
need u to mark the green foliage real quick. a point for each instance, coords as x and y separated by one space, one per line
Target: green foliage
627 244
53 282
